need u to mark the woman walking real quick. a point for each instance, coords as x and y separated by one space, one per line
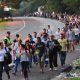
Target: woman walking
24 61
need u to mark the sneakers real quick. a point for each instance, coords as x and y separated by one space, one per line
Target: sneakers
50 69
55 68
41 70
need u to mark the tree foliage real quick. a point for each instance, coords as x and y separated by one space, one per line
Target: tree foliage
61 6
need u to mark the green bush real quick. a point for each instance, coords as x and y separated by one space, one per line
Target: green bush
74 78
2 25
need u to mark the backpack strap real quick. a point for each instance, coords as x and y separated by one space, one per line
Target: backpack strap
5 49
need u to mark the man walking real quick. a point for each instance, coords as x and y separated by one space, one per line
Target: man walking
52 46
63 43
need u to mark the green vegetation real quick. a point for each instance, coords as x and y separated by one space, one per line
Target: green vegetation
74 78
69 6
2 25
60 6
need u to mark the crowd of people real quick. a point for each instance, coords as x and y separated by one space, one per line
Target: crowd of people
40 49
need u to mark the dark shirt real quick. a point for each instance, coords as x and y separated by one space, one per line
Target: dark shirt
52 45
41 47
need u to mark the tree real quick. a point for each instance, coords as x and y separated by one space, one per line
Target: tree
73 6
60 6
54 5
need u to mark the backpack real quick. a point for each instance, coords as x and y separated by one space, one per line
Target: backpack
59 48
7 57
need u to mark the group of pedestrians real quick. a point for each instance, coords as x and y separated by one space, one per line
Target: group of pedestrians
39 49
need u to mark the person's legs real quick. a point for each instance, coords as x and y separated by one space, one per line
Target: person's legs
28 67
79 38
30 62
6 68
55 59
34 59
1 70
42 66
24 69
42 63
70 46
73 45
51 60
62 57
17 62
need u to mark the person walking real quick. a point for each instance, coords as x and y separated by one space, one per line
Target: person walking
2 54
58 33
76 31
8 40
7 44
16 51
52 46
40 49
49 31
24 61
71 38
6 63
62 53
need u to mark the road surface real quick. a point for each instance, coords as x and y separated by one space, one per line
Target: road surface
26 25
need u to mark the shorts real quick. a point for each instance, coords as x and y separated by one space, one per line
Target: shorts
42 58
76 37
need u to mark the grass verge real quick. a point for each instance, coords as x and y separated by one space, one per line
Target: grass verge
3 25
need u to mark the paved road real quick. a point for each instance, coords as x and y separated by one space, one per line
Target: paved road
29 25
48 75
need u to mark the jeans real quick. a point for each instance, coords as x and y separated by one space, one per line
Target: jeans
30 62
34 59
17 62
62 55
1 69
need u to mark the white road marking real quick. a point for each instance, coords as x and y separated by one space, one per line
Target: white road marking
20 28
24 25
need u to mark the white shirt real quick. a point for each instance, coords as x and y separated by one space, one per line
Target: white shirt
24 56
76 30
34 39
58 35
49 32
2 54
70 35
15 46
